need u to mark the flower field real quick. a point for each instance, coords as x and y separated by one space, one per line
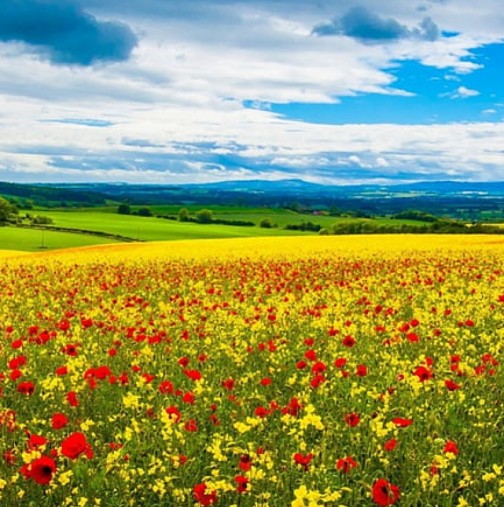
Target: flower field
322 371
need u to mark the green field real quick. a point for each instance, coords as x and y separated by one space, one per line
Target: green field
134 228
32 240
151 228
278 216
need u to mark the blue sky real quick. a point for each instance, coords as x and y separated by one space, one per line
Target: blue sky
331 91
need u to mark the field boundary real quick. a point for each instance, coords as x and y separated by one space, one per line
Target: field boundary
100 234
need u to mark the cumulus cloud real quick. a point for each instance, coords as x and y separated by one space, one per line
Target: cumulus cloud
463 93
64 33
364 25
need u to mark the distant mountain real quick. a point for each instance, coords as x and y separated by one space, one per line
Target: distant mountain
468 200
51 194
260 185
289 186
453 187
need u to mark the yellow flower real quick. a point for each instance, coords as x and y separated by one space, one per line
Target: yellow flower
131 400
489 476
462 502
64 477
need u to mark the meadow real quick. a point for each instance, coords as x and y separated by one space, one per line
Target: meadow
302 371
32 240
99 225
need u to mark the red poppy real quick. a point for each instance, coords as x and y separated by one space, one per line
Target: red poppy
189 398
86 323
361 370
488 358
384 493
71 397
228 384
17 344
183 361
349 341
303 460
390 445
262 412
9 457
451 385
26 388
74 445
41 470
451 446
245 463
174 413
340 362
17 362
319 367
36 441
346 464
401 422
62 370
70 349
59 421
193 374
202 496
242 483
352 419
317 380
165 387
423 373
293 407
311 355
191 425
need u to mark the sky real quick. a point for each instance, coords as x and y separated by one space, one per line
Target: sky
193 91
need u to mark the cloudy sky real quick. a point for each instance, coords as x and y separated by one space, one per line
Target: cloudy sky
171 91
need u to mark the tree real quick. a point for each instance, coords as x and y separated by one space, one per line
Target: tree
204 216
7 210
266 223
124 209
145 212
183 215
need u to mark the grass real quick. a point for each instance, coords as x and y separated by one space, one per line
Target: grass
281 217
151 228
107 220
31 240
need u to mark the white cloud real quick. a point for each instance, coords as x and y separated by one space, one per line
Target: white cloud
463 93
195 64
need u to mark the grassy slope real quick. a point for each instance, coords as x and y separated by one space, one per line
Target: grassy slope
30 240
150 228
281 217
155 229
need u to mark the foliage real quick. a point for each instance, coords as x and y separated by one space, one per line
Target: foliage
144 212
51 196
39 219
124 209
183 215
204 216
7 210
304 226
415 215
266 223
